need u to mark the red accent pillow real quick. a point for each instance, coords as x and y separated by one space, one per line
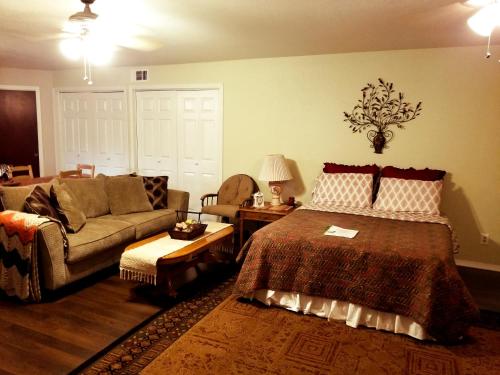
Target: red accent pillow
413 174
342 168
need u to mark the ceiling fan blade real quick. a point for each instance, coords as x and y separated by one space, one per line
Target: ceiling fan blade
141 44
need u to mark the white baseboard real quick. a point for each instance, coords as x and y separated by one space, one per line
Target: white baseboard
478 265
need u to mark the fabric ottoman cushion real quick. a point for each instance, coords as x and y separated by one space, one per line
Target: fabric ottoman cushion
96 236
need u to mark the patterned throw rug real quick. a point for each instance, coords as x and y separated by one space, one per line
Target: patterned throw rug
249 338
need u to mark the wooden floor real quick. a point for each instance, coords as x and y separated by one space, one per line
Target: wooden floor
484 286
55 337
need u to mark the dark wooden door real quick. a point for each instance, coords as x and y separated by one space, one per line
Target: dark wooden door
18 129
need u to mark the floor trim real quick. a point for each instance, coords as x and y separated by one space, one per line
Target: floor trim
478 265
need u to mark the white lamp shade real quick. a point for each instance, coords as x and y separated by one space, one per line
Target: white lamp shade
275 169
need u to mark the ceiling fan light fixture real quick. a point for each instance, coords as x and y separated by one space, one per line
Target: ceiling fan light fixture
71 48
485 19
478 3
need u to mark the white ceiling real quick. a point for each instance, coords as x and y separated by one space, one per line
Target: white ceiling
209 30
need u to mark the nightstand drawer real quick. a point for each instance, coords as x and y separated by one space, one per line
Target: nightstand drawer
259 216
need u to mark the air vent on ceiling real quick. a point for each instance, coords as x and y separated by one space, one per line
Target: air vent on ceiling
141 75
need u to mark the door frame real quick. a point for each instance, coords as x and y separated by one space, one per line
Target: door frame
36 89
133 89
56 96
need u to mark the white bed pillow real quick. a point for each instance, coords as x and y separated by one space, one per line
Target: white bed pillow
401 195
344 189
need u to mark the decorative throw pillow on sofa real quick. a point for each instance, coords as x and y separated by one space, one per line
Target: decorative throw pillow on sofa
90 194
38 202
157 191
127 195
66 204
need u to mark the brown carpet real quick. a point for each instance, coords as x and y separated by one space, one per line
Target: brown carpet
249 338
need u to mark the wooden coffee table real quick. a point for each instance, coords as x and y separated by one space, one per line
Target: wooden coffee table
190 255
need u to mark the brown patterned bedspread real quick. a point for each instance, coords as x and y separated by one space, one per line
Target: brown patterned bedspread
396 266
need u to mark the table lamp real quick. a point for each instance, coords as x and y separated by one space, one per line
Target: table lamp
274 170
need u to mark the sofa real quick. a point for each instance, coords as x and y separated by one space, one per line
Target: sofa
103 237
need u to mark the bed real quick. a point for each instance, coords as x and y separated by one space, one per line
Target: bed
397 274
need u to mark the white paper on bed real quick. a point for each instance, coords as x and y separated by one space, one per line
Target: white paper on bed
341 232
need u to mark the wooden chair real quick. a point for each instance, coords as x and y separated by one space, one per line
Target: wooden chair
87 167
232 194
77 173
25 170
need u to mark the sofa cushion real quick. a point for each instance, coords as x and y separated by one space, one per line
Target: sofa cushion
96 236
38 202
67 207
127 195
90 194
147 223
13 197
227 210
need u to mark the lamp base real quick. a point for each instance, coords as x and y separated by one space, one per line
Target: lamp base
276 193
276 201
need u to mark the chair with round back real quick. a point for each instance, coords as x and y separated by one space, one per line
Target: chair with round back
232 194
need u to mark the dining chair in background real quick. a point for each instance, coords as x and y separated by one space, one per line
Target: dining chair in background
88 170
21 172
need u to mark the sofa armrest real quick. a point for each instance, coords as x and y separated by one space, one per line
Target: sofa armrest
178 200
51 255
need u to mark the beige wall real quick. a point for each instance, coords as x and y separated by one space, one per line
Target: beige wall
42 80
294 106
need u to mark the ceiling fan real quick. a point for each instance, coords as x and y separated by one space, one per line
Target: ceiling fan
485 20
94 40
115 29
86 15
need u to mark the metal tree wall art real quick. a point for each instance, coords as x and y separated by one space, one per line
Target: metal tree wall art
379 109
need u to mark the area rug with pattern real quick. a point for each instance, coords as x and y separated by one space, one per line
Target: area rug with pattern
215 333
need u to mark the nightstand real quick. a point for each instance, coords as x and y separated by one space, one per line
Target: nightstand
267 214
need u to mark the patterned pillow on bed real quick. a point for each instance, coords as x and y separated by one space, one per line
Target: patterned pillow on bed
397 194
344 189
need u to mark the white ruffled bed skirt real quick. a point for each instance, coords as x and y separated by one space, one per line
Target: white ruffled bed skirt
353 315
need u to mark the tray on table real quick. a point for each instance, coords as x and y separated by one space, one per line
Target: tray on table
196 230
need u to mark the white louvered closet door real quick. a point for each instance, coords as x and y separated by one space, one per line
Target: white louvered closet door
111 128
157 134
76 129
94 130
179 134
200 144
